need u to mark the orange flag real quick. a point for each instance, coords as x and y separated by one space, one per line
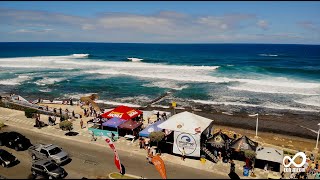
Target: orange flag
159 164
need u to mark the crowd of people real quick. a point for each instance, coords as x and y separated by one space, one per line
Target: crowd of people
89 111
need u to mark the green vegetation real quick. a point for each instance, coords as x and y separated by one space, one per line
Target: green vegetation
288 152
66 125
249 154
2 125
29 113
156 136
119 176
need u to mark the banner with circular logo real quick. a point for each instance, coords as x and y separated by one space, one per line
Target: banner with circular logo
188 143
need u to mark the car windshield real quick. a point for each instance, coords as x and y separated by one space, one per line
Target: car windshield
52 166
54 151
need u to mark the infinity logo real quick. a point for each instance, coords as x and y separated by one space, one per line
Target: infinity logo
291 161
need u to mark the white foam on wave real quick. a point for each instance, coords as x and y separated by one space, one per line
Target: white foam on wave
279 85
135 59
265 105
45 90
165 84
311 101
80 55
47 81
135 99
183 76
117 103
77 95
269 55
275 89
180 73
15 81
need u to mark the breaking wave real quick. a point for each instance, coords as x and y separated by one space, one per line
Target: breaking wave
46 81
15 81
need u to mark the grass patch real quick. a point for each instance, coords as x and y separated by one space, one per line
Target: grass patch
119 176
288 152
2 125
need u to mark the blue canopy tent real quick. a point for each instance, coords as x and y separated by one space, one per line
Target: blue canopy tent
152 128
114 122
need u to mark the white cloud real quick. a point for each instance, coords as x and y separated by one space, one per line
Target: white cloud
164 26
32 31
263 24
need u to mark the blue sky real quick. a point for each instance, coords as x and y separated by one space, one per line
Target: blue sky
161 22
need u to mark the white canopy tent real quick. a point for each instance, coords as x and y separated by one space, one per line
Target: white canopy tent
269 154
187 128
266 155
186 122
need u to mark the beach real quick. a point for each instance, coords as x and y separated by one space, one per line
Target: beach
279 134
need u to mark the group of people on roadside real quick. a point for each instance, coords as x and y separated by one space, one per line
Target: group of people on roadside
90 111
163 116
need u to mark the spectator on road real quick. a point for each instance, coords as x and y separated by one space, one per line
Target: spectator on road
183 154
93 138
81 124
112 136
232 166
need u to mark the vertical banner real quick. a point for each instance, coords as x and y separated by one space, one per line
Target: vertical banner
190 143
116 157
159 164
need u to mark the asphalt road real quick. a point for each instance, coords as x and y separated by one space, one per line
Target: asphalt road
93 161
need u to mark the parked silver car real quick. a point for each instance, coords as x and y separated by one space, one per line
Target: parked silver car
48 152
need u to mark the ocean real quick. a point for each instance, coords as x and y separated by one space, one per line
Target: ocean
238 77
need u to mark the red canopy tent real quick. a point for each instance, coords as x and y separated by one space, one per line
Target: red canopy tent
122 112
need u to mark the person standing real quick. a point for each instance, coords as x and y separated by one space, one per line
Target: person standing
158 116
232 166
60 109
54 120
112 136
183 154
81 124
92 136
73 114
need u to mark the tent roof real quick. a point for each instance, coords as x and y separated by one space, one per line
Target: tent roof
186 122
269 154
244 143
151 128
113 122
130 125
123 112
218 140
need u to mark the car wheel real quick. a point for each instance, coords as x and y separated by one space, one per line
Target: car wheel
16 148
50 177
3 164
33 157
